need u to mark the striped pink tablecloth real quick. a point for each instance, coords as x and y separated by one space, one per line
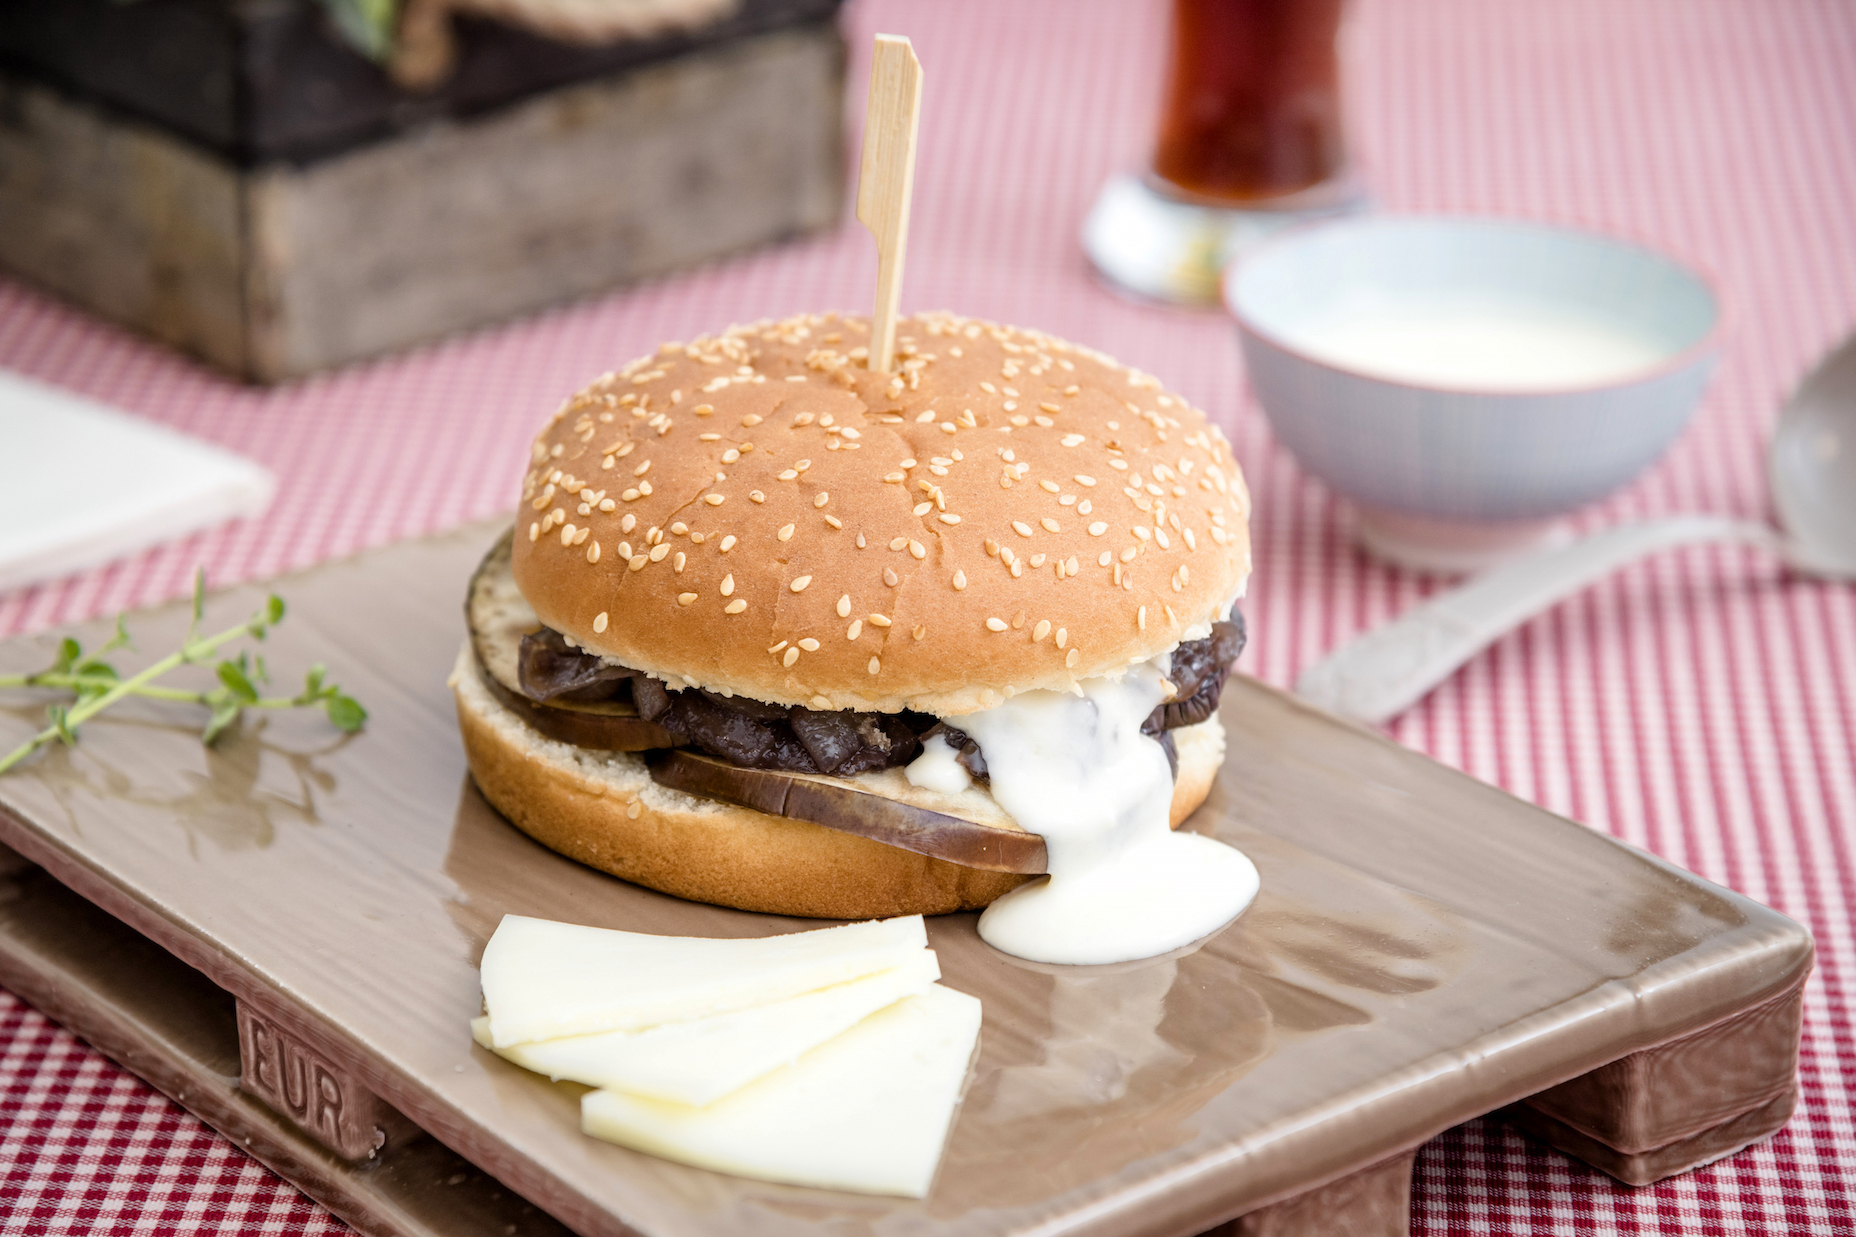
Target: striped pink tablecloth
1702 705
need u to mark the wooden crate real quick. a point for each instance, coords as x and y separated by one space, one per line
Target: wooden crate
277 268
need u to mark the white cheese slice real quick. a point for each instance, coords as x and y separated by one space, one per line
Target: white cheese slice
866 1112
544 980
700 1061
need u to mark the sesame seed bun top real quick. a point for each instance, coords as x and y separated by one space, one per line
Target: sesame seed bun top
758 513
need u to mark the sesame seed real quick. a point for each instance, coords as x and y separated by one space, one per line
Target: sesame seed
1072 440
799 584
1098 528
756 496
879 620
1082 480
1050 486
606 504
822 499
947 518
684 599
1108 556
658 552
1192 543
844 606
995 624
1170 616
918 550
890 577
785 533
1140 618
629 495
678 561
534 531
735 607
635 809
599 621
728 543
960 580
1037 560
809 645
1045 422
1021 528
1040 631
642 469
625 549
908 463
856 629
708 437
792 655
567 534
1049 407
1050 525
750 419
1063 636
895 477
1018 569
638 561
876 664
592 553
1071 659
947 427
920 631
898 543
628 523
791 474
1160 536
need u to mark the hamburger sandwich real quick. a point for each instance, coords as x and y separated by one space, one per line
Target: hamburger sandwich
769 628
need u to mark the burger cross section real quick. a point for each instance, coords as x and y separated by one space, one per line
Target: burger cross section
919 614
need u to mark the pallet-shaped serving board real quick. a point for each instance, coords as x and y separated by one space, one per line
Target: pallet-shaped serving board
282 933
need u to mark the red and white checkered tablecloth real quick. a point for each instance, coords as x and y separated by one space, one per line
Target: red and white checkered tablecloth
1702 705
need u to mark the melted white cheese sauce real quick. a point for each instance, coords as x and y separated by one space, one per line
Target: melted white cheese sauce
1077 771
938 768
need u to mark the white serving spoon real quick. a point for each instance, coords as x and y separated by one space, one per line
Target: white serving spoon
1810 464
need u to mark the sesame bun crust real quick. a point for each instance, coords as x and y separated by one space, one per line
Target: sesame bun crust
759 513
603 809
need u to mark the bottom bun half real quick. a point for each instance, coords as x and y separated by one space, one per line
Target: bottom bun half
602 809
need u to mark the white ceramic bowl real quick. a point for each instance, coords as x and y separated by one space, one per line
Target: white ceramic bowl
1467 382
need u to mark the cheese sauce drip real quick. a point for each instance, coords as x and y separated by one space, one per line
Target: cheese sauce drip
1077 771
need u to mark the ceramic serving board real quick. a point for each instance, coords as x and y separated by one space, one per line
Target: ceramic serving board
1425 949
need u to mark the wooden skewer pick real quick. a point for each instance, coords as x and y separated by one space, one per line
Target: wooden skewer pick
887 180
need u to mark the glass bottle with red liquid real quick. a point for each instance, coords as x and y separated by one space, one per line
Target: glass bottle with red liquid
1252 138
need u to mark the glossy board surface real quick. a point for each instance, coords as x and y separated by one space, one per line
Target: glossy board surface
1425 949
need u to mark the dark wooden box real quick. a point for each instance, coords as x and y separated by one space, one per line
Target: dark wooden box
231 178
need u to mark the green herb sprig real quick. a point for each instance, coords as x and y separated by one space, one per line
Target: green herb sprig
97 684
